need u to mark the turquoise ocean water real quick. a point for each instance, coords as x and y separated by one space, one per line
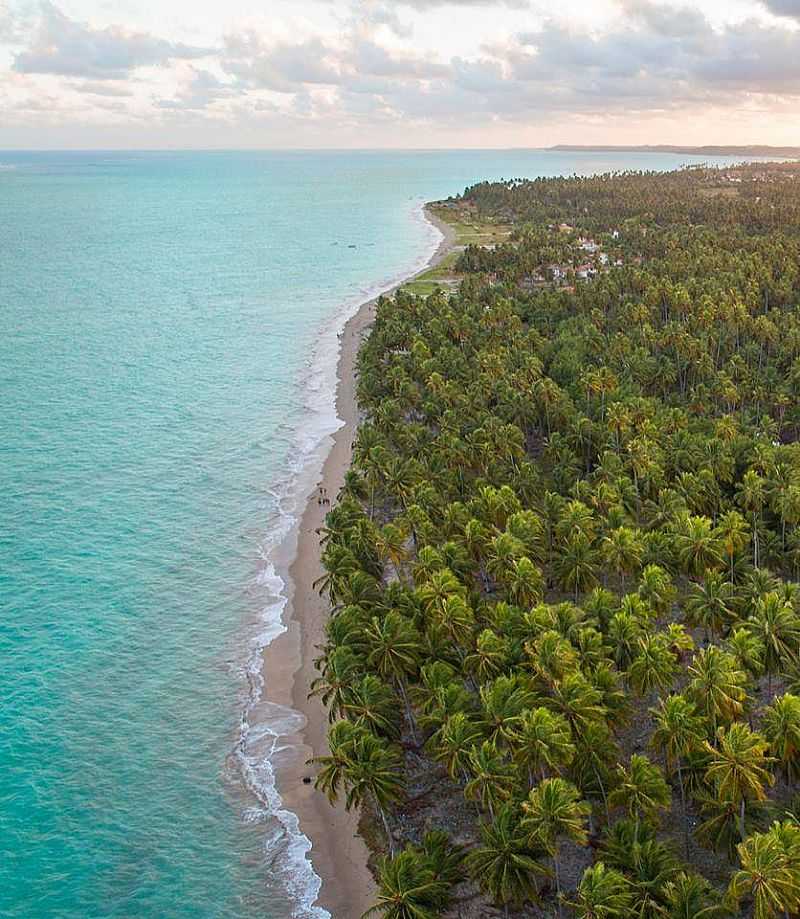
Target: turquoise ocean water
168 340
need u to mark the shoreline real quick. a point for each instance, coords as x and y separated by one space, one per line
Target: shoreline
338 854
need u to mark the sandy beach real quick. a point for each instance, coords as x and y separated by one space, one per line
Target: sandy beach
338 853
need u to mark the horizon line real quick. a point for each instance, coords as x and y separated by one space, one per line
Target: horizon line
556 148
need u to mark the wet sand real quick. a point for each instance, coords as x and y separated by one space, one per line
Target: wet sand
338 853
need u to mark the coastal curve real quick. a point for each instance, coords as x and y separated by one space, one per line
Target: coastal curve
337 852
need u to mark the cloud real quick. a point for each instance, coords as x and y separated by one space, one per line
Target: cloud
480 76
69 48
202 90
291 68
101 89
659 57
655 60
671 21
283 68
431 4
8 26
374 60
789 8
382 15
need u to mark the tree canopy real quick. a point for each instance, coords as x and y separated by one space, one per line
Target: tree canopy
565 621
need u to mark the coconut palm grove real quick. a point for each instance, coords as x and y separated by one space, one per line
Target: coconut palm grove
563 657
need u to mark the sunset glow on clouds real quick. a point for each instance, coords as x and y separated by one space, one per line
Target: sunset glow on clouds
418 73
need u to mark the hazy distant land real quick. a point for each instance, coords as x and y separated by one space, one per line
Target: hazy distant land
709 150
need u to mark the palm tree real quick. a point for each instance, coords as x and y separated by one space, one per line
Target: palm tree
698 547
340 669
395 649
504 865
503 702
526 526
654 666
618 418
552 812
650 866
365 766
595 754
432 693
710 604
719 829
437 587
578 701
372 703
359 589
503 551
751 497
492 780
456 621
335 765
525 582
748 651
542 740
408 888
656 588
490 657
622 550
781 726
769 875
717 685
641 789
678 731
777 626
787 504
452 743
734 533
603 893
374 773
738 767
445 858
390 543
551 656
624 632
690 896
578 566
340 564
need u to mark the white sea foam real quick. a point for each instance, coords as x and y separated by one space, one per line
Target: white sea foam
265 726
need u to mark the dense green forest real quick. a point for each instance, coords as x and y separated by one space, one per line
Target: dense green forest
563 657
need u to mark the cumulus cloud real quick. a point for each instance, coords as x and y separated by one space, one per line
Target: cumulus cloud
291 68
789 8
372 59
656 58
659 57
66 47
283 68
7 23
203 89
93 88
382 15
670 21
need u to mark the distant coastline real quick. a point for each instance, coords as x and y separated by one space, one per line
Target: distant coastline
708 150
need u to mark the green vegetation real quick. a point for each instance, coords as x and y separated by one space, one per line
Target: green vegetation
467 231
563 657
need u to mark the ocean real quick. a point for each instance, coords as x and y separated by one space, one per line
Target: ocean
167 360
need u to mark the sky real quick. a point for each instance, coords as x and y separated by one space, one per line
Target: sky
397 73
